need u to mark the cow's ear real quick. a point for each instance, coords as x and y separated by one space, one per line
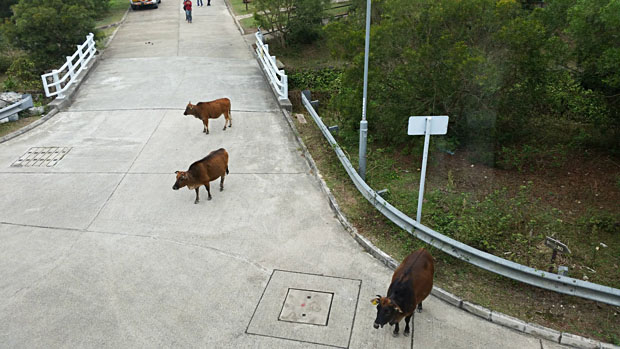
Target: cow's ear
176 172
375 301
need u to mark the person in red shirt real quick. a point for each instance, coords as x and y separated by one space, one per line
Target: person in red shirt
187 6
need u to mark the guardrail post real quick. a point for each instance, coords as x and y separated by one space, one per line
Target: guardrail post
82 61
56 84
284 86
71 69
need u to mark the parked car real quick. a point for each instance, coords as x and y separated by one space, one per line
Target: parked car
135 4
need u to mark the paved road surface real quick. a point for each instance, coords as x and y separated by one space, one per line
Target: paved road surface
99 251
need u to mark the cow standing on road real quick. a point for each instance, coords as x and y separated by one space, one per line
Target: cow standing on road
201 172
411 283
210 110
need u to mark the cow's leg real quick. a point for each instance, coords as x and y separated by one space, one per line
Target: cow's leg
396 329
222 182
197 197
406 333
208 191
420 307
206 124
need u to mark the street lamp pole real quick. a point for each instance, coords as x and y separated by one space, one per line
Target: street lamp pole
364 123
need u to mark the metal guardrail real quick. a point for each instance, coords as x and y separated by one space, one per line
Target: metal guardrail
13 109
494 264
59 80
277 77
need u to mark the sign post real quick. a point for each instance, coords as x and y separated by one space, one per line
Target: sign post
427 126
556 246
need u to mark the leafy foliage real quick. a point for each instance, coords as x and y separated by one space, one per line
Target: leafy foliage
294 21
490 65
5 8
48 30
23 76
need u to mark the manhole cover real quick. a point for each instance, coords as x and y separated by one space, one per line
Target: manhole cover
41 157
326 318
308 307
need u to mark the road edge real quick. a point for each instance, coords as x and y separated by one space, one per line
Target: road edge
538 331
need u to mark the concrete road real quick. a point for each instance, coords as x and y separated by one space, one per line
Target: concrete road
99 251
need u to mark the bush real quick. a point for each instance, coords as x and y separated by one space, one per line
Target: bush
48 30
22 76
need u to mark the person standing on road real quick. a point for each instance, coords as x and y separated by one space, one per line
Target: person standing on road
199 3
187 6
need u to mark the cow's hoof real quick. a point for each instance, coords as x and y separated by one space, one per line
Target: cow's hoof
221 189
419 310
209 199
394 334
224 128
195 202
406 334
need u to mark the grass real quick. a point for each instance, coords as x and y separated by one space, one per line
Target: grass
115 14
12 126
249 25
469 202
561 312
239 7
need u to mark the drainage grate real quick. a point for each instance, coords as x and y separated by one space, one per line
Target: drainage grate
308 307
41 157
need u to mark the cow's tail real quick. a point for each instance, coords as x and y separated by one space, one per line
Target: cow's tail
227 170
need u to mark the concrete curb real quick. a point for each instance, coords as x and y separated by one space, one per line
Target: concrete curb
57 105
487 314
117 25
232 14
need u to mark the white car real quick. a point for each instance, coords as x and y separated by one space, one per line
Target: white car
135 4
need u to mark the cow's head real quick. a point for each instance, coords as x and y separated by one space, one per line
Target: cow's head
189 110
182 179
386 311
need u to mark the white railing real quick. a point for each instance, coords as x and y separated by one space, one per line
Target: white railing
494 264
59 80
277 77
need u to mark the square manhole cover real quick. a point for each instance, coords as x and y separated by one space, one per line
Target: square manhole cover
41 157
329 312
307 307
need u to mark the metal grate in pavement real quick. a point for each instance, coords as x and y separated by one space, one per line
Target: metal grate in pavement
41 157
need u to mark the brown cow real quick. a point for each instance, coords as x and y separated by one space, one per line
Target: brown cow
210 110
411 283
203 171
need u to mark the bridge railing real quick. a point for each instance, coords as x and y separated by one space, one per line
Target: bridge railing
59 80
494 264
277 77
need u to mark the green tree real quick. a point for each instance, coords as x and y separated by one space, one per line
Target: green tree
594 26
48 30
293 21
5 8
305 25
274 15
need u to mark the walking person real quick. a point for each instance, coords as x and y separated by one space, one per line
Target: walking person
199 3
187 6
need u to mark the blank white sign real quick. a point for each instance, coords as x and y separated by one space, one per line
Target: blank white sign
417 125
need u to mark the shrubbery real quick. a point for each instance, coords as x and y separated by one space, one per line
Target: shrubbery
40 34
499 69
